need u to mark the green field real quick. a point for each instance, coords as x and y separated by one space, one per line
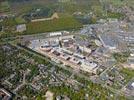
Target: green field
129 73
53 25
121 57
4 6
114 15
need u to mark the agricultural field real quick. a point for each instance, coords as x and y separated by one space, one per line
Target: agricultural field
53 25
22 8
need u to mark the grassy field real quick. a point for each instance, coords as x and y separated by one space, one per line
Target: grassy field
121 57
9 22
53 25
114 15
129 73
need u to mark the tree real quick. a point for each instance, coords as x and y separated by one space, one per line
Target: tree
0 27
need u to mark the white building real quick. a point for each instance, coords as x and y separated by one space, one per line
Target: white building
88 66
85 49
21 28
67 37
79 56
56 34
132 84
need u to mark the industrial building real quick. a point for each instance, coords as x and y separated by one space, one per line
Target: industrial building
21 28
67 51
89 66
109 41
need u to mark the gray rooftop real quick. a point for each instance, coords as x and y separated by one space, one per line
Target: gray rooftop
109 40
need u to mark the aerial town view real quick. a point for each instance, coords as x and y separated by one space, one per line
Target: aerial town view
66 50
